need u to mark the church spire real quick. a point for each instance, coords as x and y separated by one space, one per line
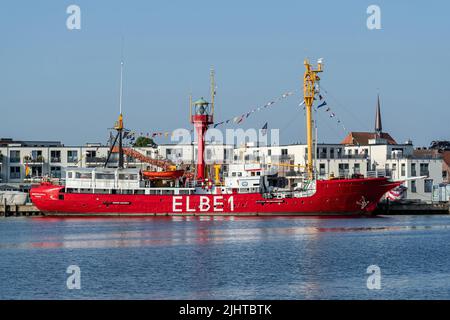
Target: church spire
378 126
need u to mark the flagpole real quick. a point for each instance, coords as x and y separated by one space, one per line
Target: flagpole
315 150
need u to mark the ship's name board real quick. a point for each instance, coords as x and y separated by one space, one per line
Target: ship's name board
204 204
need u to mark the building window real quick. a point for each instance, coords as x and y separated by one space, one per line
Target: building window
356 168
424 169
403 170
284 152
428 185
55 172
91 154
413 170
72 156
331 153
269 152
14 172
413 186
343 169
36 171
36 156
322 169
55 156
444 174
14 156
322 153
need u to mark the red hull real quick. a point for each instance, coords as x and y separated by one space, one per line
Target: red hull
333 197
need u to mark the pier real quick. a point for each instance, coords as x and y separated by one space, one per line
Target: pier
26 210
412 207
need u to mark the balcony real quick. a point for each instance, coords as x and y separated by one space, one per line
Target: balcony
414 156
341 156
424 173
96 159
379 173
33 160
283 157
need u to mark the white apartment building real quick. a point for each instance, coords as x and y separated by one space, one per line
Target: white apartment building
377 157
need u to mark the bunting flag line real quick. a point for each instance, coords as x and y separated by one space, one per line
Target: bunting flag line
240 118
329 110
322 105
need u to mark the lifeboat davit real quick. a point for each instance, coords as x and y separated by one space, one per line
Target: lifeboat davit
169 175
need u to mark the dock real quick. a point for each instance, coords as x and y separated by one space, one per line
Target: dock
412 208
26 210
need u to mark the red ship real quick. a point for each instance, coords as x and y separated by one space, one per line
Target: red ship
254 191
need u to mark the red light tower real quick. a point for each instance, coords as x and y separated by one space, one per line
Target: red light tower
201 117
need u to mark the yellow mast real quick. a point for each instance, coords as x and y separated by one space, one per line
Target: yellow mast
309 80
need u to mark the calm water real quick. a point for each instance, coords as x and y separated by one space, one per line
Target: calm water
251 258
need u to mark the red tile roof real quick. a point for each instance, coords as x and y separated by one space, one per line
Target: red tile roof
446 157
362 138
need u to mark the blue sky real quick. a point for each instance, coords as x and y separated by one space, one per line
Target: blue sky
58 84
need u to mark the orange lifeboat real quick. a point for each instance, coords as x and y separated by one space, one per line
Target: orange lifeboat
161 175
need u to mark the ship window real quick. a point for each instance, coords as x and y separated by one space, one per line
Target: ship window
127 176
61 197
239 174
104 176
83 175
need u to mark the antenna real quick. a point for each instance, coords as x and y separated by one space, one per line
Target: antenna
190 106
121 87
121 78
213 89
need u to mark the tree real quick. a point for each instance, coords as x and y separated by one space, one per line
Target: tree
144 142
